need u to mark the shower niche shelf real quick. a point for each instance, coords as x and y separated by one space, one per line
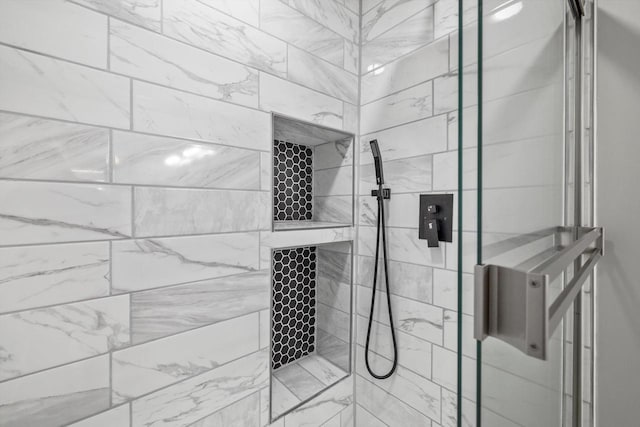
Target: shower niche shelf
312 175
311 300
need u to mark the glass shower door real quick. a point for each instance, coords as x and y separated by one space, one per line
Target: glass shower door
519 145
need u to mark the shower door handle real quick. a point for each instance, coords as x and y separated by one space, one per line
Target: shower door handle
513 304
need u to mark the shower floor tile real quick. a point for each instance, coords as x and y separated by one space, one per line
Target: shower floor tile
298 381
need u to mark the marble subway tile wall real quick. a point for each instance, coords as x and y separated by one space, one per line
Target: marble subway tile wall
406 46
135 226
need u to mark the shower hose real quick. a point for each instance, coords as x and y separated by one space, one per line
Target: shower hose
381 232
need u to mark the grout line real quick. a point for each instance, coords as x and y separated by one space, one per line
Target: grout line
133 211
110 243
108 42
103 184
111 378
131 103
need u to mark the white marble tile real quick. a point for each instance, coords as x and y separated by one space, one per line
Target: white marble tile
365 418
265 328
334 350
347 416
243 413
421 320
265 409
398 41
62 334
168 112
405 175
389 14
420 66
190 400
150 263
165 311
145 13
334 262
406 106
333 209
351 57
408 387
39 85
407 280
401 211
147 367
367 5
282 399
36 212
333 154
351 118
154 160
315 73
149 56
244 10
200 25
446 16
322 369
404 246
445 94
323 407
34 148
412 139
333 422
445 371
56 396
353 5
333 182
334 322
34 276
331 14
266 171
413 353
299 381
445 290
116 417
282 96
63 30
333 294
285 22
386 407
170 212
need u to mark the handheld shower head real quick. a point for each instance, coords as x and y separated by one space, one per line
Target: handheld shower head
377 161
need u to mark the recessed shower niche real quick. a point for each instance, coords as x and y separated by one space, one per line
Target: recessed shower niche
310 322
312 175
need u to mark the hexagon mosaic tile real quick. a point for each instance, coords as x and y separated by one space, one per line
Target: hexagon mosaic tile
292 182
293 315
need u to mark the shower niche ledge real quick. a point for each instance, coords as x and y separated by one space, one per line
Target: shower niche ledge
312 168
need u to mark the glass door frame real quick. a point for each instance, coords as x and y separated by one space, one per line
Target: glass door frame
576 9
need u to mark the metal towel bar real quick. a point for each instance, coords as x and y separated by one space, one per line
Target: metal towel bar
512 304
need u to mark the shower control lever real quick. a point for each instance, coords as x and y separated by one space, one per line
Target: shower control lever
431 233
436 218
